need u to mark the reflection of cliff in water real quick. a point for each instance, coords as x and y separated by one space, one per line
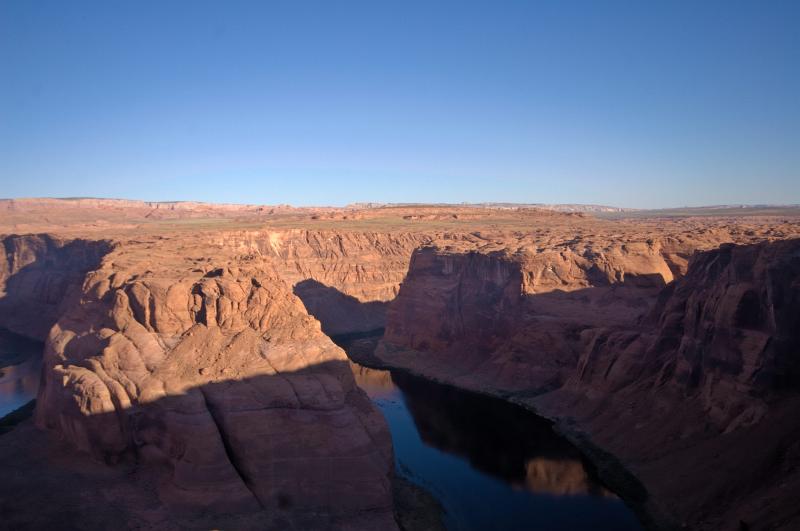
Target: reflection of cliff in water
20 365
497 438
560 476
374 382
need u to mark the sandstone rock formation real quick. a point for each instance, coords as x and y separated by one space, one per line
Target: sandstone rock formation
217 379
345 279
220 375
37 274
192 340
674 380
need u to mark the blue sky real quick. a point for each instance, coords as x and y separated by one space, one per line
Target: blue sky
642 104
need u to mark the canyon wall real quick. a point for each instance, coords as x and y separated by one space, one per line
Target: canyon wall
344 278
37 273
676 378
702 399
728 328
203 356
428 314
522 316
211 374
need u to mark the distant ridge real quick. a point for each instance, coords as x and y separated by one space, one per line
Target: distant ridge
606 211
544 206
708 211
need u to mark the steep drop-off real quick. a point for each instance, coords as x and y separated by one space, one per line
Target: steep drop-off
210 373
521 316
677 381
344 278
202 356
37 273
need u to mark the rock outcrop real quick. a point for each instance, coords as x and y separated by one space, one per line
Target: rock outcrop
216 377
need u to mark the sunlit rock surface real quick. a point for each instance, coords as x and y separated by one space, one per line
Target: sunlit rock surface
191 339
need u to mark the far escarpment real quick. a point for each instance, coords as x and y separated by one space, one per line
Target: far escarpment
691 382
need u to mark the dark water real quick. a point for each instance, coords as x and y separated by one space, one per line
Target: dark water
491 464
20 364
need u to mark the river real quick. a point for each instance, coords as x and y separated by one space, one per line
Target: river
490 464
20 365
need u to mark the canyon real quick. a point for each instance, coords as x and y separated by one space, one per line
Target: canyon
188 348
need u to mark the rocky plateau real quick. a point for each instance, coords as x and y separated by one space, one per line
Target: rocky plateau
189 377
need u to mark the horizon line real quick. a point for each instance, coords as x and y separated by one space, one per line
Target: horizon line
380 204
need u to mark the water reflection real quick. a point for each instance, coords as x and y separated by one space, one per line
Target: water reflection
377 384
497 438
560 476
491 464
20 365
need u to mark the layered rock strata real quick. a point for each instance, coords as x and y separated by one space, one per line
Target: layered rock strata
345 279
676 378
215 376
37 274
195 349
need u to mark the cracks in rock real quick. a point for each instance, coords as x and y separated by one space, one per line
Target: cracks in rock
284 378
228 447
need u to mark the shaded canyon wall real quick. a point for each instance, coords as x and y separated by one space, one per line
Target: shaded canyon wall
677 378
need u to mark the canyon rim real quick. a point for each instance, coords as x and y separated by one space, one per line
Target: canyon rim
190 376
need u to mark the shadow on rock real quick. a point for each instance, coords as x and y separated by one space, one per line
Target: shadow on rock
337 312
297 449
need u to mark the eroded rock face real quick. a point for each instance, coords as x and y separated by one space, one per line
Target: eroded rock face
725 333
218 378
664 377
709 384
522 317
428 315
344 278
39 272
737 314
188 346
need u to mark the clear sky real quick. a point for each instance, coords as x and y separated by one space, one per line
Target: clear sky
637 103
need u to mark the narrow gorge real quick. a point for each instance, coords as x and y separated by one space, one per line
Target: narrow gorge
196 378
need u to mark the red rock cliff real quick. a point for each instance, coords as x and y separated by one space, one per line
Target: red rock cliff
684 380
212 373
37 273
